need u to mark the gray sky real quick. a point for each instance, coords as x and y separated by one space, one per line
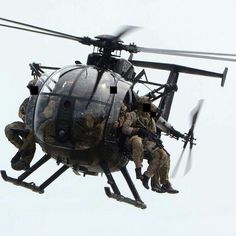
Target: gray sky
206 204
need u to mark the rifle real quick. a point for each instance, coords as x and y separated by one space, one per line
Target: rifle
142 132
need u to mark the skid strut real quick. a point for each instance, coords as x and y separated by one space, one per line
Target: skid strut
137 202
32 186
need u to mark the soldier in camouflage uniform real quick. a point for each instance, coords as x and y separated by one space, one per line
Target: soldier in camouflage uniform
22 139
162 176
136 125
88 131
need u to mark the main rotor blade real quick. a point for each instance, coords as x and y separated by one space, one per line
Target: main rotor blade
176 168
125 30
42 29
193 55
36 31
158 50
189 162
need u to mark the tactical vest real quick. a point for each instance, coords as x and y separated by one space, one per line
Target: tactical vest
144 120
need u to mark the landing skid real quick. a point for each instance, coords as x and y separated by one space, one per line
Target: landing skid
121 198
32 186
17 182
137 202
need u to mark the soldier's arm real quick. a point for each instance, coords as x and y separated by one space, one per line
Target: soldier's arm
153 128
22 109
130 119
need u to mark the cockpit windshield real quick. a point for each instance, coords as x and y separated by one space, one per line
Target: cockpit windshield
75 107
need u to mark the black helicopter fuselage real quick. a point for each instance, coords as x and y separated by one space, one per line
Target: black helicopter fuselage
73 117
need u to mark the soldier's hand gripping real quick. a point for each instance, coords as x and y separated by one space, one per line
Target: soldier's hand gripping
142 132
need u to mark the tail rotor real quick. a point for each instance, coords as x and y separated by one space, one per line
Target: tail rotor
188 139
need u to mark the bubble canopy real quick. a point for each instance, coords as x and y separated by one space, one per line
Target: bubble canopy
77 107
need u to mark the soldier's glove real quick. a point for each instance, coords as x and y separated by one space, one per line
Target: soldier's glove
143 133
20 155
176 134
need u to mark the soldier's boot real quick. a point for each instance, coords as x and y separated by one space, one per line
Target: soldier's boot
157 188
22 159
166 187
138 173
17 163
17 157
20 165
145 181
27 157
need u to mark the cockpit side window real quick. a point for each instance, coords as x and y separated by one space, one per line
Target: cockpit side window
122 89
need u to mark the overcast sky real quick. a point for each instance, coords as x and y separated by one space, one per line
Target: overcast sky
206 204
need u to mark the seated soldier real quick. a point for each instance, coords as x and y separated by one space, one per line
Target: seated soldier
140 126
22 139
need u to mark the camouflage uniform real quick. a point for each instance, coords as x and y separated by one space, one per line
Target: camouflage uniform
10 134
139 119
159 165
46 122
25 144
87 132
119 123
161 176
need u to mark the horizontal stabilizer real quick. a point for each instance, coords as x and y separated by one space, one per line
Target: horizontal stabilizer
180 69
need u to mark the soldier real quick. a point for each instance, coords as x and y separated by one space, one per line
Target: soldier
140 126
161 179
22 139
162 176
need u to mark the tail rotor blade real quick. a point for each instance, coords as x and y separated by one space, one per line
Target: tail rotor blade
189 139
175 170
189 162
195 113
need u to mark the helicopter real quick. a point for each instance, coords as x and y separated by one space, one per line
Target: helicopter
63 101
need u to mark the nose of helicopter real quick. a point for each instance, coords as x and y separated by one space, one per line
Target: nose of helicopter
73 107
